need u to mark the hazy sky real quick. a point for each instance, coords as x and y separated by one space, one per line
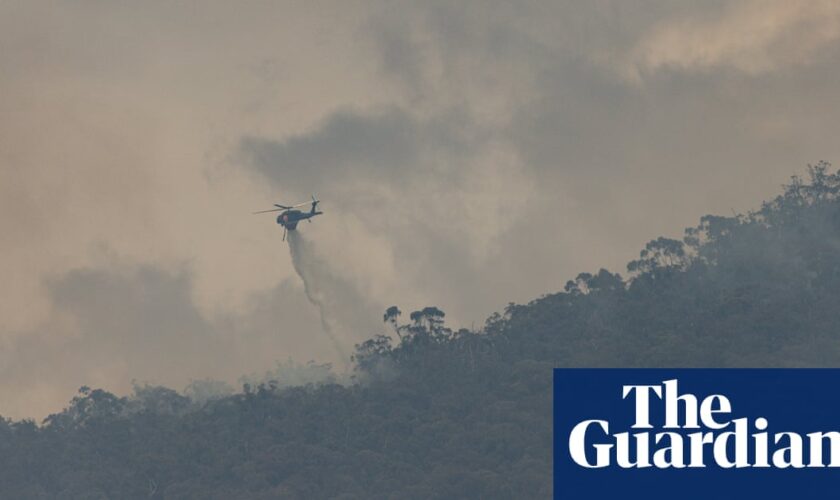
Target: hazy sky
467 154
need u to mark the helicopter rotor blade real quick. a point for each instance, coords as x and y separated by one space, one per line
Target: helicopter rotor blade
281 208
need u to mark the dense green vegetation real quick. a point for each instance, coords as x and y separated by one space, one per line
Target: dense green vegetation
437 413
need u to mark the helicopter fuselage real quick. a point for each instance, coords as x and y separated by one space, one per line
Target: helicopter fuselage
290 218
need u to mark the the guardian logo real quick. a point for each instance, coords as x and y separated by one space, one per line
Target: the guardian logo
696 434
691 427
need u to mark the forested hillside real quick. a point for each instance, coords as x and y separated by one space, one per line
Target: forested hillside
436 413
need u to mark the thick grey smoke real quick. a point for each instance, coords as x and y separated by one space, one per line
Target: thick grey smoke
447 133
120 322
345 314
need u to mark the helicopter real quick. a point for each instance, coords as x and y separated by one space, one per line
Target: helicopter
289 216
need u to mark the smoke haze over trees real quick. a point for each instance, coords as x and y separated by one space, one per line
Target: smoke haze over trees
137 137
438 412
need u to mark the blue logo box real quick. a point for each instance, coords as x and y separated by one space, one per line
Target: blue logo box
696 433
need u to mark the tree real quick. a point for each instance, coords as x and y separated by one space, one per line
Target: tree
391 317
660 255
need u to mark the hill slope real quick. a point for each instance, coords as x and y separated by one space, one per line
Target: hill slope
443 414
